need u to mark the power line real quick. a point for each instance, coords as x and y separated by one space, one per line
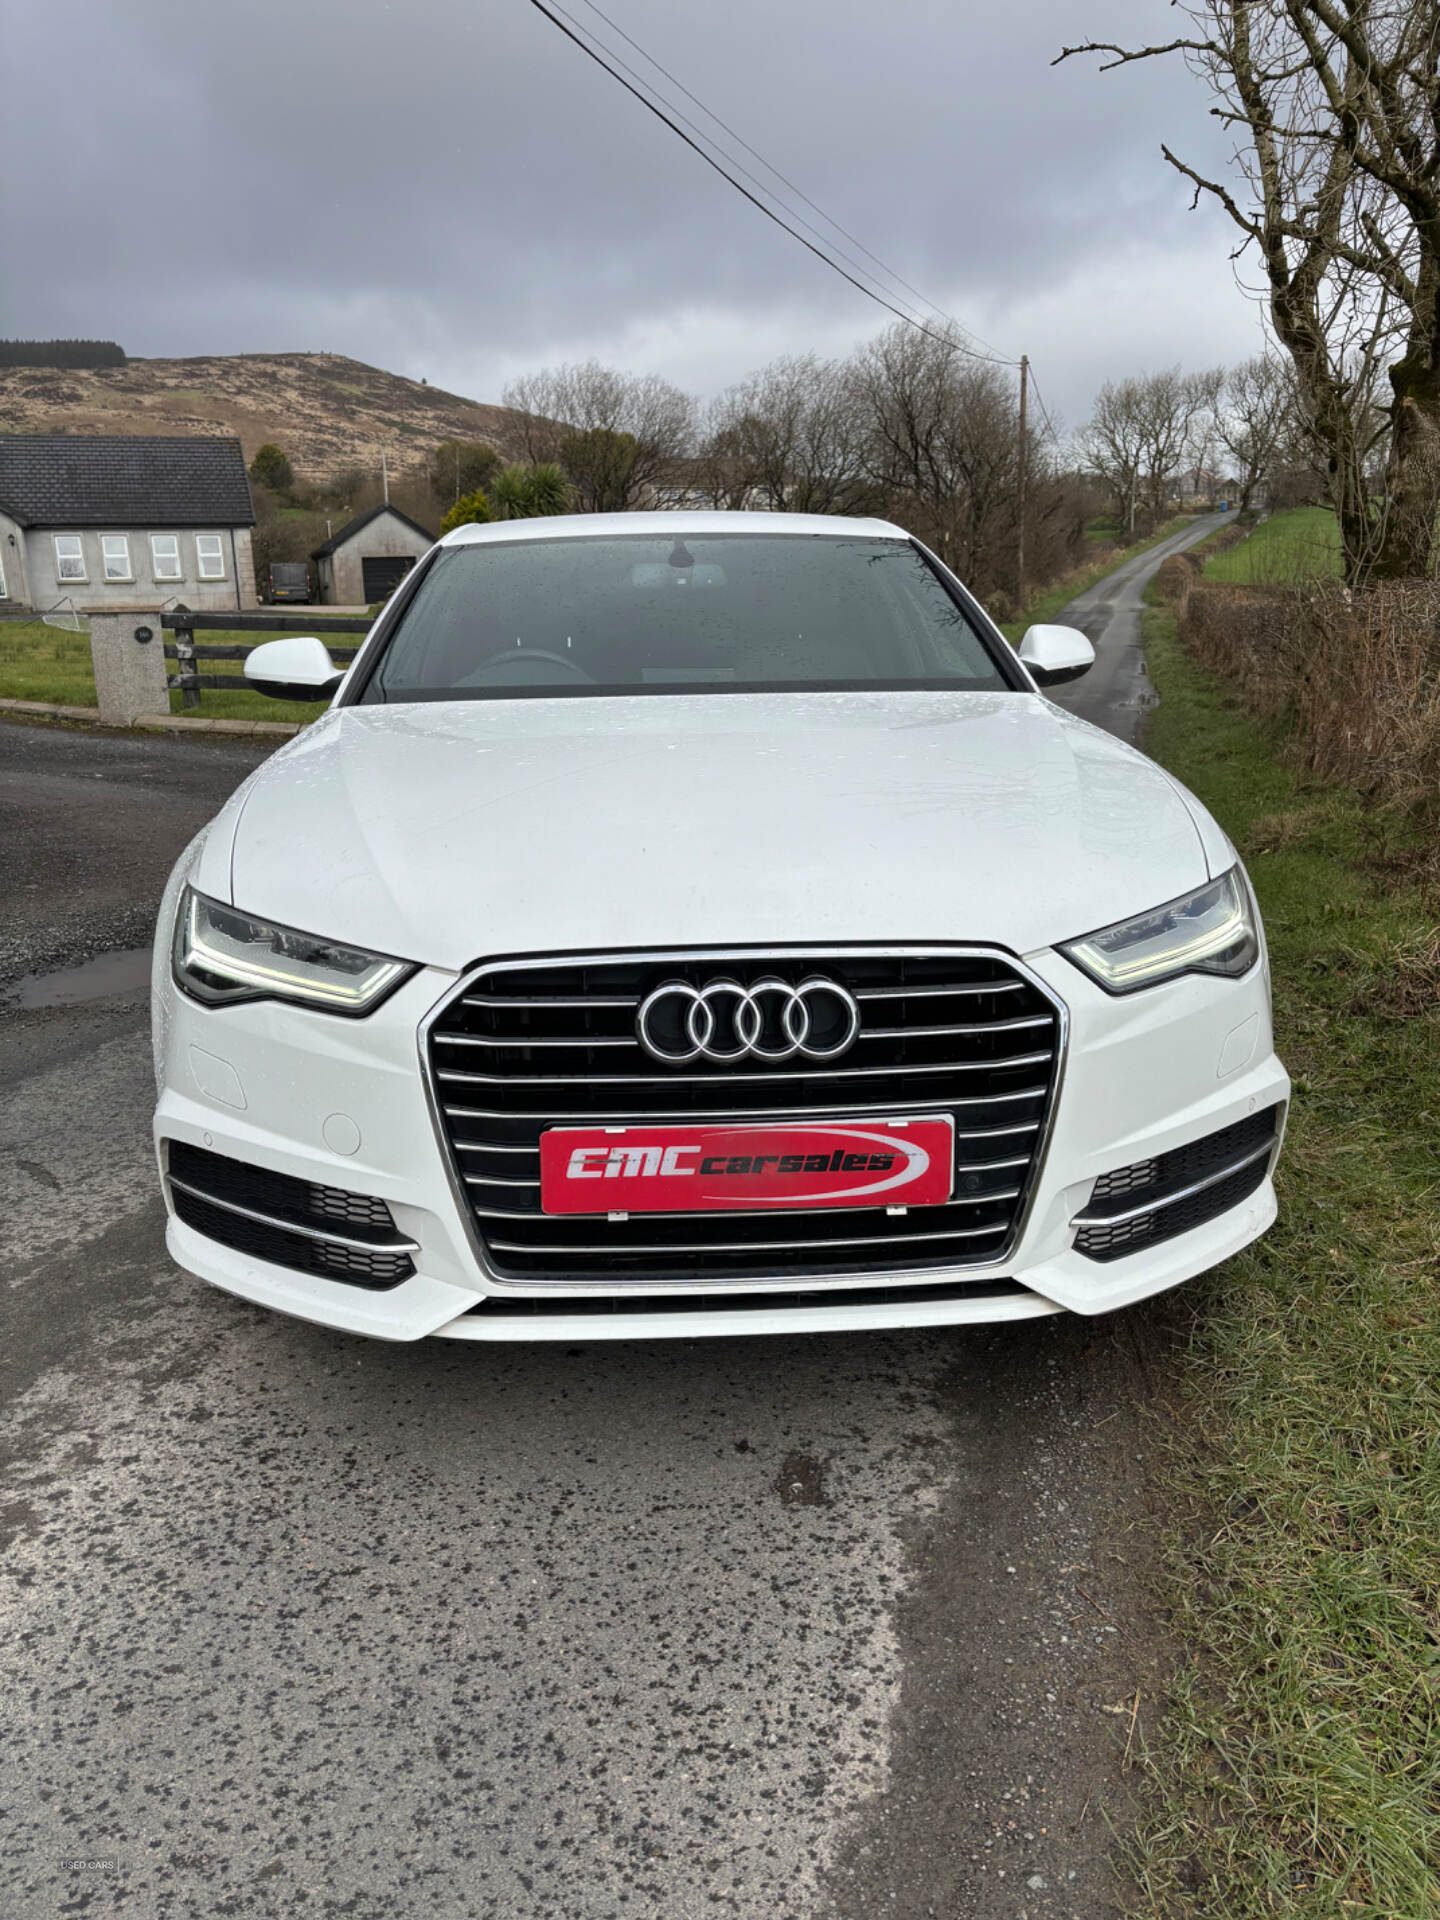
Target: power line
711 141
783 178
1044 410
769 212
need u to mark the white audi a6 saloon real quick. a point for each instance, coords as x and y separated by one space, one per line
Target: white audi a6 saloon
692 923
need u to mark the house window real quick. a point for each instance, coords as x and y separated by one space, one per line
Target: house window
115 552
165 556
69 557
3 594
210 556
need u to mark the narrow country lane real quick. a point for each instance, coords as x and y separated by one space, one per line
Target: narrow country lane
1116 691
821 1628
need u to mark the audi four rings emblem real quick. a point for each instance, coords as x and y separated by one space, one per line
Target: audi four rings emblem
770 1020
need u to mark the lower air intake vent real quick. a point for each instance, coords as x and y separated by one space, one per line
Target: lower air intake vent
289 1222
1154 1200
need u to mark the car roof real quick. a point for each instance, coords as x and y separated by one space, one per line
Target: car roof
592 526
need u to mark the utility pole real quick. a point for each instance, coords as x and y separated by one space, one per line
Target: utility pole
1024 478
385 471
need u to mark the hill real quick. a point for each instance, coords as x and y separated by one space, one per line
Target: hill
328 413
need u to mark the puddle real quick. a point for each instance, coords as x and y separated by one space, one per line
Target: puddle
105 977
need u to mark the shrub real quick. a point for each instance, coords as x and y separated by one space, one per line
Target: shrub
459 467
602 465
529 493
271 468
1178 576
1354 675
348 484
473 510
289 536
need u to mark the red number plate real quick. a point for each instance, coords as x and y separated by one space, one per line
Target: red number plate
680 1169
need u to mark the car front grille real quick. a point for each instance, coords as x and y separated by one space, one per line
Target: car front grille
526 1045
289 1222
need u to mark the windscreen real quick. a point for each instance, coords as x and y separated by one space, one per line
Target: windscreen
679 613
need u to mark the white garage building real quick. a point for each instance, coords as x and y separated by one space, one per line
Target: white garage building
369 557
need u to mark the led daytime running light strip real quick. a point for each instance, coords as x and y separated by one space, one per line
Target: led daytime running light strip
198 953
1176 959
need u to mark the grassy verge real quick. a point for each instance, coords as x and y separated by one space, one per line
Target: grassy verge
1298 1771
1046 604
45 663
1287 550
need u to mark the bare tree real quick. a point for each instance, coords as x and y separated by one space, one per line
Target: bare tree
1175 410
1338 106
626 428
1144 434
1256 405
1113 446
722 470
943 442
795 432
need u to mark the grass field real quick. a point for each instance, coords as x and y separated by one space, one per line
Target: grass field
1297 1772
1287 550
45 663
1046 605
1104 532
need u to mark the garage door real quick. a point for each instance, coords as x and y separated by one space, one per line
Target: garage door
380 575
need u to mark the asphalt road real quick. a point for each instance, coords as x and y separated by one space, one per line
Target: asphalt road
1116 691
824 1628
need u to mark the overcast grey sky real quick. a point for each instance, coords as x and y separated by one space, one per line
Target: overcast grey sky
450 189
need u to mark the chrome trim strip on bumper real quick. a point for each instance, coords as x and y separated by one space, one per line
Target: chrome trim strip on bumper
293 1226
1180 1193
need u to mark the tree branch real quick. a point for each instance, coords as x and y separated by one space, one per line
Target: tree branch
1124 55
1202 185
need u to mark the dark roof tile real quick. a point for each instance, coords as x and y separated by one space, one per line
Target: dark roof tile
74 480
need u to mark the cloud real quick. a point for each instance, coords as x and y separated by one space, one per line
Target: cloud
449 188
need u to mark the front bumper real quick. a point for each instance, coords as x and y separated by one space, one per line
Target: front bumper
343 1103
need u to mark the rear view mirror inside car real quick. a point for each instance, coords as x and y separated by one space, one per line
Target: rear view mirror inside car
662 575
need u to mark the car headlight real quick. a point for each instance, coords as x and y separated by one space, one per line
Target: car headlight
221 956
1213 931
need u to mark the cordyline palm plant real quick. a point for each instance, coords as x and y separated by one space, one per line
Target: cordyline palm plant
529 493
516 493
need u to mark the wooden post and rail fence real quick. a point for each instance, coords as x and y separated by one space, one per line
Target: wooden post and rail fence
133 653
185 651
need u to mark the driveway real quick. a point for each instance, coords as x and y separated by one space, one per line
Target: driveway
821 1628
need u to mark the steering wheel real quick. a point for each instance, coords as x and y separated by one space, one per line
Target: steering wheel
495 667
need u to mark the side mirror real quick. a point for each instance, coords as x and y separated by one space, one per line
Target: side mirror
298 669
1055 654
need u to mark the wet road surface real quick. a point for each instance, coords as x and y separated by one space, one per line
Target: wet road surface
296 1623
1116 692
